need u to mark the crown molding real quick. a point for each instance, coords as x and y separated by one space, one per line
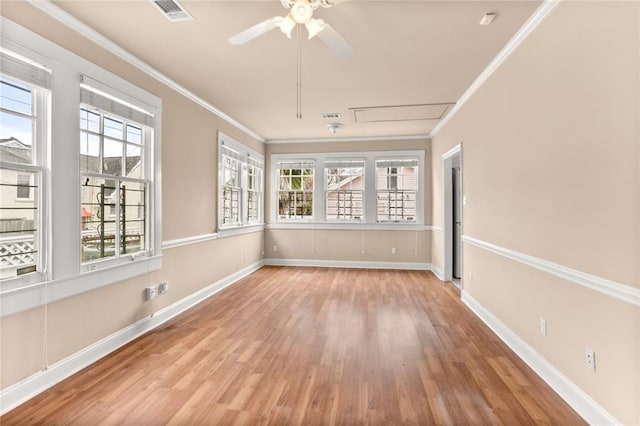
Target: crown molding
75 24
538 16
348 139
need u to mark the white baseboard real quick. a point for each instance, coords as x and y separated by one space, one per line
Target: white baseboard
437 272
582 403
420 266
26 389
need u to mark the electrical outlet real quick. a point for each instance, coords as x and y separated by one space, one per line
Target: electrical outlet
590 359
275 248
150 292
163 287
393 250
470 278
543 326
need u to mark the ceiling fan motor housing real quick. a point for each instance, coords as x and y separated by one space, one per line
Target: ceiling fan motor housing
301 11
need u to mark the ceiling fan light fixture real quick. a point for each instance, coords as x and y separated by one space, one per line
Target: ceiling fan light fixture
301 11
314 26
287 25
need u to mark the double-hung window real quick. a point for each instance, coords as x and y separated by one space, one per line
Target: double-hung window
231 189
240 192
369 188
255 170
344 190
24 134
396 190
114 176
295 190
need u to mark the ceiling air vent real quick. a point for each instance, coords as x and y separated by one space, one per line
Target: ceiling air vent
331 116
172 10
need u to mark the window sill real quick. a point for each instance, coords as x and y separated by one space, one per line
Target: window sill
240 230
31 296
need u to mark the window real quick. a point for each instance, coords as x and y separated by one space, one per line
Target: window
24 130
231 189
23 187
114 182
240 185
344 190
380 190
79 174
295 190
254 191
396 190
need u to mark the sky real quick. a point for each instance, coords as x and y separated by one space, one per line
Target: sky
17 97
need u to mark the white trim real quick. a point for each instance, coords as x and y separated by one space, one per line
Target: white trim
75 24
506 51
26 389
437 229
348 139
582 403
610 288
240 230
21 299
447 208
370 157
437 272
179 242
351 226
418 266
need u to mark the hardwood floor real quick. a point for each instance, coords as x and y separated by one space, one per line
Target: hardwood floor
311 346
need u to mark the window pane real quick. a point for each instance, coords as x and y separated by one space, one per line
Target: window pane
133 164
16 138
113 128
18 223
16 96
89 120
89 153
98 218
134 134
23 190
112 157
133 219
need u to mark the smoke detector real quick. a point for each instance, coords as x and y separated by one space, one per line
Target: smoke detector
334 127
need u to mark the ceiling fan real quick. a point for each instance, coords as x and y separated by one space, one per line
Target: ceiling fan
300 12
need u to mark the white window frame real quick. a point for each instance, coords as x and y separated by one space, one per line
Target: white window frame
327 166
246 157
370 206
110 110
276 166
66 276
39 169
399 163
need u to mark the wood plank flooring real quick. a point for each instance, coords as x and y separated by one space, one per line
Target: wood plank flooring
310 346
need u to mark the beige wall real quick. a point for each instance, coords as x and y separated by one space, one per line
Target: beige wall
551 169
189 190
343 245
323 244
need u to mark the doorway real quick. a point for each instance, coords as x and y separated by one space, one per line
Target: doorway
453 217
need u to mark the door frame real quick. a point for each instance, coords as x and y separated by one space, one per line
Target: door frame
447 203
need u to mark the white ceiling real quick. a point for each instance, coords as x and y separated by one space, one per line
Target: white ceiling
406 53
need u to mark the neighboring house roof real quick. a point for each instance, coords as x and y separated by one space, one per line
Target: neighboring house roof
14 151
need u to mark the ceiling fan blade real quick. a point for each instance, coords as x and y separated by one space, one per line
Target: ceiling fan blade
256 30
335 41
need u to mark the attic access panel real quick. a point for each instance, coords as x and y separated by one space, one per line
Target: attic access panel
381 114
